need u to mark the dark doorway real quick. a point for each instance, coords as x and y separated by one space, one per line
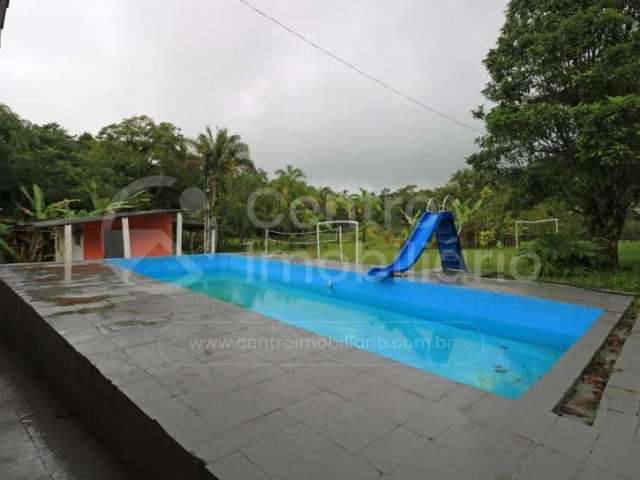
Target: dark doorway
113 244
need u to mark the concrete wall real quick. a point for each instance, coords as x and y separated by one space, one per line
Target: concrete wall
151 236
135 440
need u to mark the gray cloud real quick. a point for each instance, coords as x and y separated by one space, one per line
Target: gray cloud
197 62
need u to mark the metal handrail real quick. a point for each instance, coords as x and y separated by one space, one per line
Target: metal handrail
444 202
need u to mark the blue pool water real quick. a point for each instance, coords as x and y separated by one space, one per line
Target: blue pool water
497 342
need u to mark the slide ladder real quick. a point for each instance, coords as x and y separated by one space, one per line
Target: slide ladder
442 225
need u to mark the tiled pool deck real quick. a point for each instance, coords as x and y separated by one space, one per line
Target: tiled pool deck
118 349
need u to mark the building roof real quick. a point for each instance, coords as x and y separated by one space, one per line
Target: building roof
4 4
76 220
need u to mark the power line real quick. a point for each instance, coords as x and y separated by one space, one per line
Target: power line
356 69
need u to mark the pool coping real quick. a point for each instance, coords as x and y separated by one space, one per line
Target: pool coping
530 417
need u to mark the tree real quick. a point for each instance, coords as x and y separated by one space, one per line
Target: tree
135 148
288 179
366 206
464 212
38 208
107 205
30 153
290 183
565 82
222 154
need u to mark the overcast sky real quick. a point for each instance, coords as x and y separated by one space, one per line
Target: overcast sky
88 63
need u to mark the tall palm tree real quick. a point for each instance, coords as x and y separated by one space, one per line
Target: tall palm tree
221 154
290 173
287 178
367 206
288 182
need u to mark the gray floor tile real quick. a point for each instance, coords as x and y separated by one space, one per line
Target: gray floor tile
391 402
328 375
350 425
571 438
180 380
613 453
495 448
200 400
180 422
548 463
442 463
314 405
621 400
591 472
617 423
235 408
517 417
146 392
222 444
462 397
360 385
423 384
349 469
433 420
297 453
392 449
236 467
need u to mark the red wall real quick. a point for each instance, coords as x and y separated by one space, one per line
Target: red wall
93 248
150 236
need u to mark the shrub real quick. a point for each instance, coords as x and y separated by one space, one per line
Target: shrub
487 238
560 255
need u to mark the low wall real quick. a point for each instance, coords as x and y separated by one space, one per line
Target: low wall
136 441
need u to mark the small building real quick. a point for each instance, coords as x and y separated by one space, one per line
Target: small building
121 235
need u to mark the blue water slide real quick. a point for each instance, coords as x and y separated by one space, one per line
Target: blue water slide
442 225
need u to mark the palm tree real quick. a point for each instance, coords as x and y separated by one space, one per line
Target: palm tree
291 173
288 182
287 178
366 206
221 154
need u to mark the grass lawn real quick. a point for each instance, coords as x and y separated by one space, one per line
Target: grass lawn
495 260
626 279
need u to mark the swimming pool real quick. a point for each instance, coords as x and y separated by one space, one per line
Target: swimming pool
497 342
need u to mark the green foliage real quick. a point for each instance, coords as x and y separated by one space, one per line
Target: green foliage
465 211
39 210
560 255
565 82
7 254
105 205
487 238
